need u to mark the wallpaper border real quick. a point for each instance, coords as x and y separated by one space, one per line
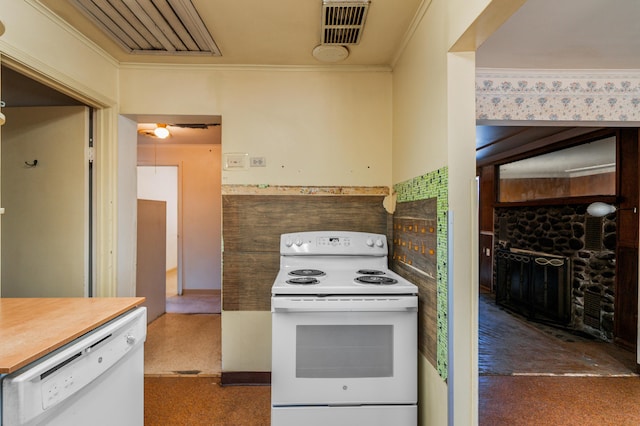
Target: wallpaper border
558 95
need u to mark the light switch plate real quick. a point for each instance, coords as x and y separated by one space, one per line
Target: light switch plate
235 160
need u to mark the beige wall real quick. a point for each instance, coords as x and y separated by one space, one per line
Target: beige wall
40 41
313 127
47 50
434 126
420 146
200 208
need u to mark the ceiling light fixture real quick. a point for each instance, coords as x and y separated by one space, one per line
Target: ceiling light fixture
330 53
161 131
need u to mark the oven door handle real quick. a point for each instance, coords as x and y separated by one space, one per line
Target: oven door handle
302 305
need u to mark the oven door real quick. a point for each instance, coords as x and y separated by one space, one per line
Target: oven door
344 350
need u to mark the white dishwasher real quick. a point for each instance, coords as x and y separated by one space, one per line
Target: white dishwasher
97 379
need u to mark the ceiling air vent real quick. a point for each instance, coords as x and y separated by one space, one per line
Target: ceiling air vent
168 27
343 21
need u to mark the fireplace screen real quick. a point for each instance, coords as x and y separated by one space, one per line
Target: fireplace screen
536 285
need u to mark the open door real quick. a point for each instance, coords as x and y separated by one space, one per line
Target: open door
45 193
151 256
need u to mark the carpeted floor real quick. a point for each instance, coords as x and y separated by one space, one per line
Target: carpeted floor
527 377
179 344
558 401
195 401
532 374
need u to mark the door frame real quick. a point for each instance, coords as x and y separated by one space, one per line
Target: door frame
104 244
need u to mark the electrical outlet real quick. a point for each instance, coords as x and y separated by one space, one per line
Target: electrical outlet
258 162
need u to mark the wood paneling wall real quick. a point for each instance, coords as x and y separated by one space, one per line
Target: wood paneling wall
514 190
414 258
251 229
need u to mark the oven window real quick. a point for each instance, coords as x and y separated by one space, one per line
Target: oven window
335 351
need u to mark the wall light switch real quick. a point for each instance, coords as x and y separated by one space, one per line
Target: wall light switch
235 160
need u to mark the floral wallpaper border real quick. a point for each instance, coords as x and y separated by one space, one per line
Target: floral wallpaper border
558 95
434 185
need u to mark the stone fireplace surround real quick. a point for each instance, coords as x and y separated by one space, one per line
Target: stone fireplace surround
561 230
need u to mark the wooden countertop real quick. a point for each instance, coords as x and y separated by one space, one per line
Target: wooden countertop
31 328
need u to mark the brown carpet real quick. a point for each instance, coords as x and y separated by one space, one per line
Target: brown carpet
193 401
559 401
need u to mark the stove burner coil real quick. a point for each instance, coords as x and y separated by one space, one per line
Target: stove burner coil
307 273
376 279
370 272
303 281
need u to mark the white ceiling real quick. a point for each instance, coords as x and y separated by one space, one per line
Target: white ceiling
274 32
567 34
543 34
582 160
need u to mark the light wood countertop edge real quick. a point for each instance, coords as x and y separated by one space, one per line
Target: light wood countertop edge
103 310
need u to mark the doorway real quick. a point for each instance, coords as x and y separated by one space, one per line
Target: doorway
186 339
188 160
547 331
46 191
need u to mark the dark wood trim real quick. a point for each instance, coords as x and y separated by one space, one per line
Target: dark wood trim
565 139
488 186
562 201
245 378
625 324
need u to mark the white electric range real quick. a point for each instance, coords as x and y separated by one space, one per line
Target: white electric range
344 333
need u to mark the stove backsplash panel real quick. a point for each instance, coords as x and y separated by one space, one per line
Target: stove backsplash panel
252 225
414 256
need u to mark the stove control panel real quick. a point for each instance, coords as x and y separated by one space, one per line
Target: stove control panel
333 243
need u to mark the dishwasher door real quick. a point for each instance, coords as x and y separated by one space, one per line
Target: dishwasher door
97 379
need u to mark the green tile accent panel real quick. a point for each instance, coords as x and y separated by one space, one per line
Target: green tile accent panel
434 185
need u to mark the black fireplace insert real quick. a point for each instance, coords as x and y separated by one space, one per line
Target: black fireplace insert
536 285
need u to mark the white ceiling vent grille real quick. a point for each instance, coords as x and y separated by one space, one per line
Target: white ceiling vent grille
343 21
168 27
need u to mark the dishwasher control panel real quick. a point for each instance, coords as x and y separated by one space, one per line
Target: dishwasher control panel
42 385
